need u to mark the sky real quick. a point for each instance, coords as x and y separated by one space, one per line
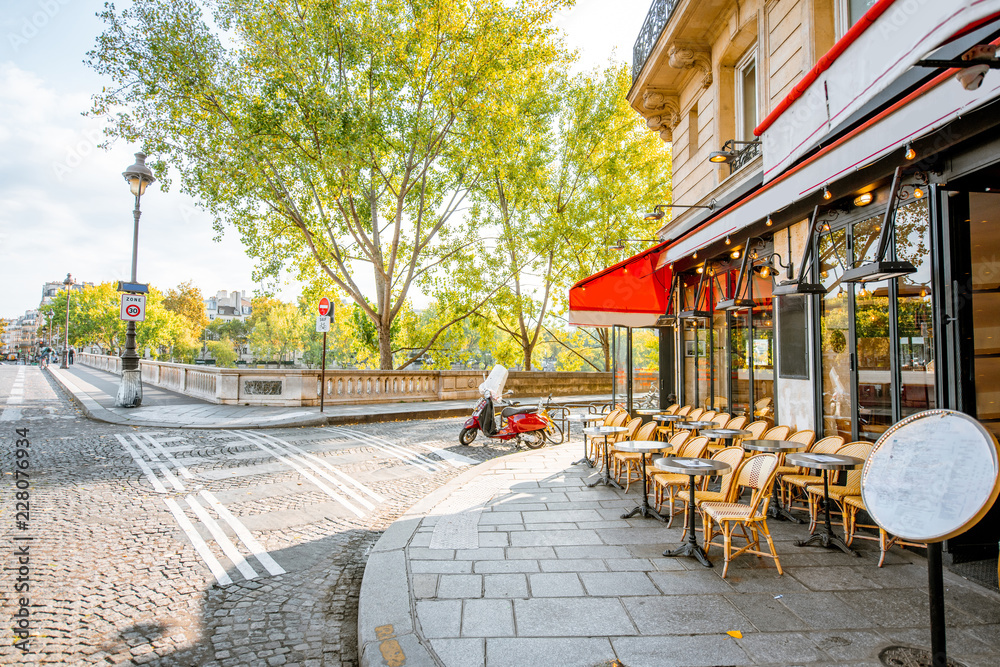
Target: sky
64 206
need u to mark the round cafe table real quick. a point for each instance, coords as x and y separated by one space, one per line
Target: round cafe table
643 447
775 510
692 468
695 426
726 434
824 536
668 419
649 412
583 418
605 431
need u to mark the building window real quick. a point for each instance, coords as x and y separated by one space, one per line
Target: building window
850 12
746 97
693 132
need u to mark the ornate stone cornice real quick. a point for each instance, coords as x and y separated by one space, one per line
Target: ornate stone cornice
666 112
687 58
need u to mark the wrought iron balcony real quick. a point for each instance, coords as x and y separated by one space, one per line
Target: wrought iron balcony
744 156
656 19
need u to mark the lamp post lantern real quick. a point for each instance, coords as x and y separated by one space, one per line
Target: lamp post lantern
138 176
69 282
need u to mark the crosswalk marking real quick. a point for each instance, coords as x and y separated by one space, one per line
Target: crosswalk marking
305 473
255 547
199 544
146 470
185 473
220 537
408 456
11 414
457 460
170 477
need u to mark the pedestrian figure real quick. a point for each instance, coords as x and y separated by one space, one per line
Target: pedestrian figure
70 356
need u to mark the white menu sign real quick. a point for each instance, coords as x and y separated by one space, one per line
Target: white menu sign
932 476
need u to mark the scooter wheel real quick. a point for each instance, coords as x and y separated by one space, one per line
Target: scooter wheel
533 439
467 436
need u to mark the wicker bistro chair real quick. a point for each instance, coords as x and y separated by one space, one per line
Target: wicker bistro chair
850 487
616 417
852 505
792 484
734 457
695 414
666 484
777 433
629 462
721 419
671 409
756 429
757 473
683 410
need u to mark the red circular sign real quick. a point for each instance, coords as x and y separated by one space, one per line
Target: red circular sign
324 306
132 311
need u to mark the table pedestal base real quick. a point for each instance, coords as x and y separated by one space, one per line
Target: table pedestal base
776 511
605 478
827 540
690 549
645 511
584 460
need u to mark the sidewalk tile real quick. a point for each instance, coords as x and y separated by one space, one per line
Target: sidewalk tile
559 516
766 613
826 610
606 584
679 615
460 586
493 540
487 618
439 618
555 585
786 648
667 651
505 586
847 646
460 652
441 566
494 518
595 551
629 564
424 585
904 609
651 535
516 553
837 578
571 617
561 652
421 553
482 553
504 566
764 580
690 582
573 565
548 538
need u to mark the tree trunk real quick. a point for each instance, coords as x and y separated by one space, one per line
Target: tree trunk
527 359
384 348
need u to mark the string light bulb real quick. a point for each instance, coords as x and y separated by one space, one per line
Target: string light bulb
735 254
769 221
918 193
701 270
910 153
765 272
727 240
695 255
826 193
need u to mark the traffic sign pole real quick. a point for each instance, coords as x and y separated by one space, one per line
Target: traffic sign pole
322 376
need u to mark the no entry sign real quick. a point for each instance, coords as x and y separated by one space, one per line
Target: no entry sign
324 306
133 307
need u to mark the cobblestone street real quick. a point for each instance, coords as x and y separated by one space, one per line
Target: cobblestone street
172 547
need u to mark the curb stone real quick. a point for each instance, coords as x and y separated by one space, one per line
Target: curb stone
379 624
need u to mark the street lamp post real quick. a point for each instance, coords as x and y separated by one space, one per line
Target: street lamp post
69 282
138 177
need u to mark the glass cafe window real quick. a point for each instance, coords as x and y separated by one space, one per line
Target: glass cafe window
761 351
914 308
645 365
835 336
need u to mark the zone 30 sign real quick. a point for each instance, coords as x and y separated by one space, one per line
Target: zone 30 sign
133 307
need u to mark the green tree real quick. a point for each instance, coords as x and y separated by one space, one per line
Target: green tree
223 352
578 178
335 136
277 329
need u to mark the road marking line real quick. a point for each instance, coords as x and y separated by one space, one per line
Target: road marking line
294 457
185 473
255 547
457 460
176 483
422 463
436 465
305 473
228 547
157 486
303 454
199 544
14 414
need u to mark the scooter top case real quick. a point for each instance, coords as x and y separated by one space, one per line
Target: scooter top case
495 383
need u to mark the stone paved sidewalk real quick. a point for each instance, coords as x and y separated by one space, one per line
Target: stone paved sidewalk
518 563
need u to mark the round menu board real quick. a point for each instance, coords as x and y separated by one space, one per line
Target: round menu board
931 476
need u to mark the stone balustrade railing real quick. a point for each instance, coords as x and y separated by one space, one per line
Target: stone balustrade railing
298 387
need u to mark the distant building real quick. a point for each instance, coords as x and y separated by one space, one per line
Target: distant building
50 290
228 306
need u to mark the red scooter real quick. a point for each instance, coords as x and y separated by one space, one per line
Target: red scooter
523 424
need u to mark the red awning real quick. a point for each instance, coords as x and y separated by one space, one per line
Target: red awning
632 293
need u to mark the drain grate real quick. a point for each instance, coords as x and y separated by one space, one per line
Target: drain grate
904 656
